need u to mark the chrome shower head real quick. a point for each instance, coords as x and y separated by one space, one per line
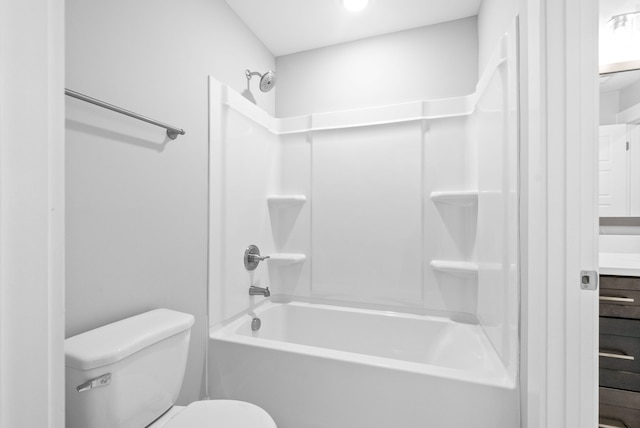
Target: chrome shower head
267 80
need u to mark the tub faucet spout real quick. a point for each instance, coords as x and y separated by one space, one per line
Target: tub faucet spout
259 291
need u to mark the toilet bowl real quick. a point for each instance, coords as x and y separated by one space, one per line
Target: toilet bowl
217 413
128 375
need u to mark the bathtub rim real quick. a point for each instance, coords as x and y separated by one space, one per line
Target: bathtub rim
460 317
226 332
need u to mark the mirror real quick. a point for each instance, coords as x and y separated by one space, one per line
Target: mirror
619 159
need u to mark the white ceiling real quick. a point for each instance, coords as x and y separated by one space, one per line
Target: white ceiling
609 8
289 26
615 48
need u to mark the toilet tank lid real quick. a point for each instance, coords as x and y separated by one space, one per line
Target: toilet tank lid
113 342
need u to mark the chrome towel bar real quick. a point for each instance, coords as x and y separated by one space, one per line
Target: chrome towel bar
172 131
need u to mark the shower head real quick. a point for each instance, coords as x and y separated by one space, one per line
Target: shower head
267 80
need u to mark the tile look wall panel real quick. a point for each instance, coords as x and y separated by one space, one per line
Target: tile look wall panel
137 204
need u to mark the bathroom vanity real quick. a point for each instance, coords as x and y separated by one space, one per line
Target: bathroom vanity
619 340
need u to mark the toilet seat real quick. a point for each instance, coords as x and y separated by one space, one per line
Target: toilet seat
221 414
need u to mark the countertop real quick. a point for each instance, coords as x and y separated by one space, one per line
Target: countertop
623 264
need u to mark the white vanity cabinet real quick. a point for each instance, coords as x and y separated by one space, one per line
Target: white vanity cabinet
619 166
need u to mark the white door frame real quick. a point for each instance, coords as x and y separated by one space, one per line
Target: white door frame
32 213
559 213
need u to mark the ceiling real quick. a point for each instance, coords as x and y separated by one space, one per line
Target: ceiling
621 46
609 8
289 26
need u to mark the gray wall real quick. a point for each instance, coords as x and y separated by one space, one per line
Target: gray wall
437 61
137 204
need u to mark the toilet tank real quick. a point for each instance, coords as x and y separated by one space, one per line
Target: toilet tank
126 374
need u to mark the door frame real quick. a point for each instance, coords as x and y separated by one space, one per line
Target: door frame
559 215
32 213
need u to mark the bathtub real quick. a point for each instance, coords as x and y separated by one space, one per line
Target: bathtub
324 366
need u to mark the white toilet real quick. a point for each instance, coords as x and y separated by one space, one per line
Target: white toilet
128 375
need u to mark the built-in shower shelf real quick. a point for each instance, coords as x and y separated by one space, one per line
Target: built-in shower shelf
283 201
283 259
461 198
465 269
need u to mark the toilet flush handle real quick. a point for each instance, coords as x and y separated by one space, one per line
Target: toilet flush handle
96 382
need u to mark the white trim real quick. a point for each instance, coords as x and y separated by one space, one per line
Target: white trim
32 214
559 213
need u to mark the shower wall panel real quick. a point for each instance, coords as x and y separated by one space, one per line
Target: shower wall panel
367 227
291 225
449 230
496 137
364 219
247 162
403 206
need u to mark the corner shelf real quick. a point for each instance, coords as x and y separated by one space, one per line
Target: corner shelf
461 198
283 201
284 259
464 269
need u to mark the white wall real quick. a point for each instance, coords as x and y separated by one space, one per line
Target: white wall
437 61
31 214
609 107
137 203
614 102
494 19
630 96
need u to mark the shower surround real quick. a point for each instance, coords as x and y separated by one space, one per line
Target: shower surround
406 211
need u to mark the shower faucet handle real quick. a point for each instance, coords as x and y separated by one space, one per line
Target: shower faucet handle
257 257
252 257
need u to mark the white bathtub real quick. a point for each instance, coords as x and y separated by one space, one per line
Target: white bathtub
322 366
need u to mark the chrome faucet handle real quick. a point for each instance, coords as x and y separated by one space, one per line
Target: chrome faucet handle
257 257
252 257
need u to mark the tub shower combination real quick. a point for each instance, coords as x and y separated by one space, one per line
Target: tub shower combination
386 295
